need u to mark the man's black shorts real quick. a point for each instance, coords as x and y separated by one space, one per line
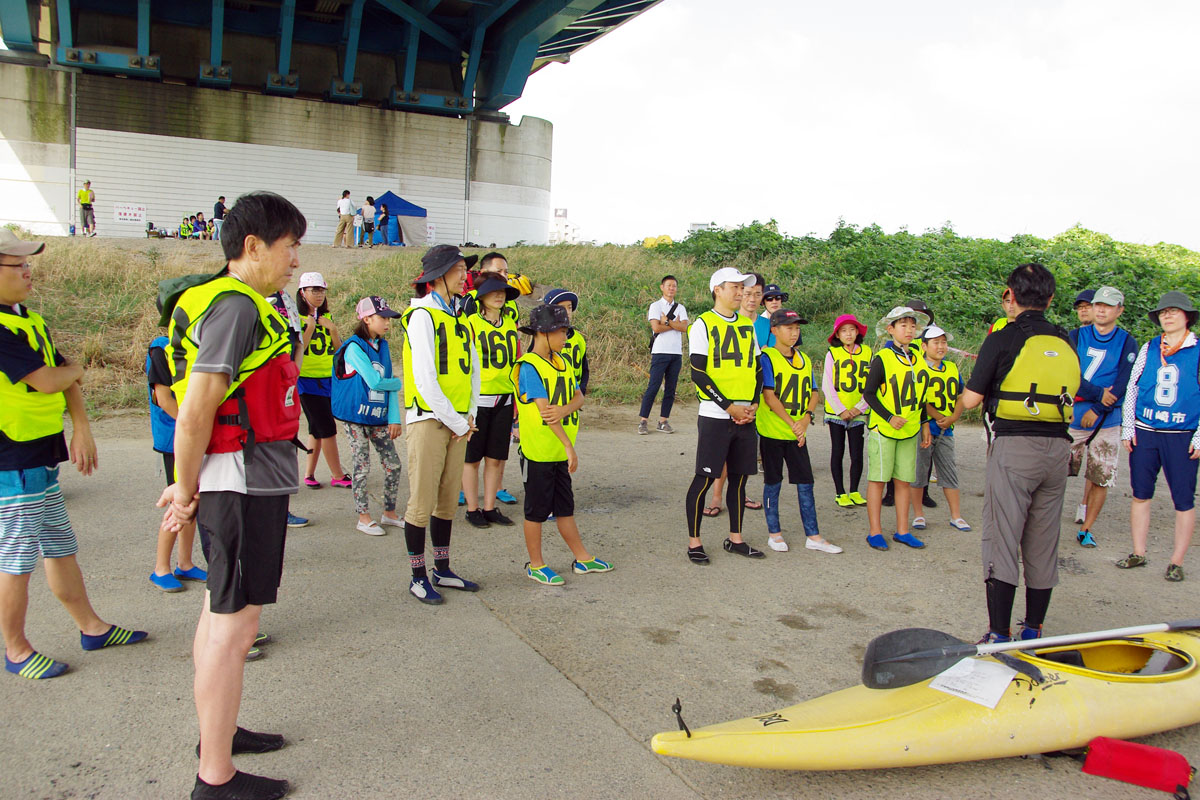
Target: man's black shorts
776 453
494 434
547 490
318 410
722 442
245 554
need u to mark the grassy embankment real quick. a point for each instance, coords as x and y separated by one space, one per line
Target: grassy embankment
98 298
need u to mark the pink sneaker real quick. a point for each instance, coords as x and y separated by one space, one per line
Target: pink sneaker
312 482
343 482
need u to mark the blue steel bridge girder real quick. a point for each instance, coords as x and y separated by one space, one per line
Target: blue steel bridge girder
216 73
142 65
516 48
14 21
283 81
346 89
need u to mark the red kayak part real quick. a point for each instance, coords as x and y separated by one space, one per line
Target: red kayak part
1139 764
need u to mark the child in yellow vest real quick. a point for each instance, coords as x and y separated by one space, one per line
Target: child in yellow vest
845 372
896 397
575 348
548 403
943 385
790 398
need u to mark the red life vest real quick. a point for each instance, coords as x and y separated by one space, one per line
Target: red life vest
264 408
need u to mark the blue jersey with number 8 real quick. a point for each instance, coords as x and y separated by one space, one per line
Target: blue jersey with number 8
1168 390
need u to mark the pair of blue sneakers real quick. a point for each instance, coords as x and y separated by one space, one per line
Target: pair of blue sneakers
171 582
504 496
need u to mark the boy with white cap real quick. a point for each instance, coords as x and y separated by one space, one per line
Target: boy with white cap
728 378
943 385
896 395
1106 355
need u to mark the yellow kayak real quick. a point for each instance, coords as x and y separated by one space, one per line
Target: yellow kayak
1121 688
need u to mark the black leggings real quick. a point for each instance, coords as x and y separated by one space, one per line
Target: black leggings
735 501
838 434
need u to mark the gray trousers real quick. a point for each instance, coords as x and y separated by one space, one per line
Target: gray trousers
1022 508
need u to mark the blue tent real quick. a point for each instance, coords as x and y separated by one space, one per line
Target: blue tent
406 221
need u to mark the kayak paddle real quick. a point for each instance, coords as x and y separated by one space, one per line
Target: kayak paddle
908 656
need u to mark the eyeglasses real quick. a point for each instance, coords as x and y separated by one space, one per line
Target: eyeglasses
23 265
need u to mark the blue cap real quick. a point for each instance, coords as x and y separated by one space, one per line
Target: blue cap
1086 296
556 296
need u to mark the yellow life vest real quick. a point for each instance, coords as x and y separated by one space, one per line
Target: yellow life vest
793 387
1043 380
942 386
902 392
452 352
538 442
318 356
999 325
190 309
25 413
497 344
730 356
573 351
849 375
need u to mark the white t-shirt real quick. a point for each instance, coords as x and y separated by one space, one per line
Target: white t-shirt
671 342
345 207
698 345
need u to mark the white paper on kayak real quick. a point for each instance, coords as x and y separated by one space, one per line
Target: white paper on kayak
981 682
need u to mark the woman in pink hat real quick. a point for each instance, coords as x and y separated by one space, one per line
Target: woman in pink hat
846 366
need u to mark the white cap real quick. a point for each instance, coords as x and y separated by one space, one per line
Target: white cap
310 280
729 275
933 331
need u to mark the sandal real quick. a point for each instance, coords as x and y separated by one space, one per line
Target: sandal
712 511
753 504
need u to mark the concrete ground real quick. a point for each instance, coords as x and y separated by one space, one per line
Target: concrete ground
526 691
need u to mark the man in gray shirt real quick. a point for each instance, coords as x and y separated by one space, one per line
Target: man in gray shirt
236 466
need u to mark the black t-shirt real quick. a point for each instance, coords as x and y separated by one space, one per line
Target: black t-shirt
160 370
219 211
17 360
996 357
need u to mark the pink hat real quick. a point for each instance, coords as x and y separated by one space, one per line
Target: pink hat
847 319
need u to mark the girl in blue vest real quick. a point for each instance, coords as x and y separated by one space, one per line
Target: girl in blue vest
367 398
163 410
1160 426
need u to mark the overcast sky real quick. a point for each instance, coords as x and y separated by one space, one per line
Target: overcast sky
1002 118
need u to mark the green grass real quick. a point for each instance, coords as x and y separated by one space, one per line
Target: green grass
98 299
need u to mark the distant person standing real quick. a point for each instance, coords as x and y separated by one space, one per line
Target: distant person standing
668 320
345 210
383 223
218 217
87 214
368 215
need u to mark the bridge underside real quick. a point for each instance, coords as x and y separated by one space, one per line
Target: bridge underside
451 57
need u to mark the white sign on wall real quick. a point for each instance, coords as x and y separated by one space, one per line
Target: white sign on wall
129 212
430 232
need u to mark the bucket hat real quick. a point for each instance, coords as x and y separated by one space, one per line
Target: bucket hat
900 312
1174 299
438 260
846 319
496 284
546 318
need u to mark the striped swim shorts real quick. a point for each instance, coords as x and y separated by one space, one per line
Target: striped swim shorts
33 519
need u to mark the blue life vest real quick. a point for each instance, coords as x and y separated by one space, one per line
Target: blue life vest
1099 362
352 400
1168 393
162 424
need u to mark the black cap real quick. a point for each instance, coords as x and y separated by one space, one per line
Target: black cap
494 284
785 316
773 290
545 319
917 304
1086 296
438 260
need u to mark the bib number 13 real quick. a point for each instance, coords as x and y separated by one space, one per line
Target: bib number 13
1166 390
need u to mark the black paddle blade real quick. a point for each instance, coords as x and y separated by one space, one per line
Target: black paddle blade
885 667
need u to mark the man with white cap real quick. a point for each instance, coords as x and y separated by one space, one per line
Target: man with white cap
728 378
36 384
1106 355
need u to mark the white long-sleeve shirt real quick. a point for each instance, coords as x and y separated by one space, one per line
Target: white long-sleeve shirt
1129 420
422 343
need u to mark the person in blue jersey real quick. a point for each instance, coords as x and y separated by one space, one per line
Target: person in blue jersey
1160 426
163 411
1106 355
366 397
773 299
